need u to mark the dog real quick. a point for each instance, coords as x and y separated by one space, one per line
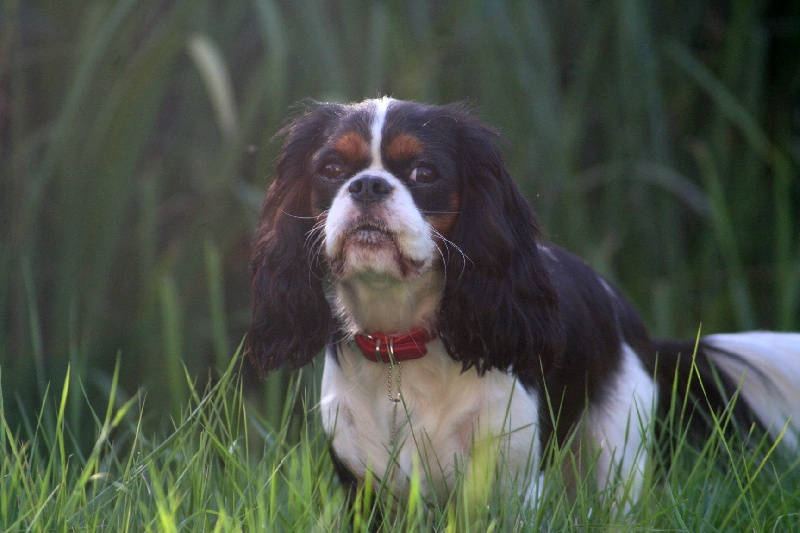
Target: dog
394 237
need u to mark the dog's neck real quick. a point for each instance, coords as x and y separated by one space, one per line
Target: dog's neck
374 303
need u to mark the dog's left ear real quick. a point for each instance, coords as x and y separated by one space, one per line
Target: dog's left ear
291 317
500 309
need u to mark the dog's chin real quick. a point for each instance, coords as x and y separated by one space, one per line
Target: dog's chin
370 252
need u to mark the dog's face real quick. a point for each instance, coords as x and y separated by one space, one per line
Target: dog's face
385 190
400 190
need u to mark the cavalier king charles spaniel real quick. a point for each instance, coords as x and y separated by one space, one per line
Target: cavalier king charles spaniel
394 237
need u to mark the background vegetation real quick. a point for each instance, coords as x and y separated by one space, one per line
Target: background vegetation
658 140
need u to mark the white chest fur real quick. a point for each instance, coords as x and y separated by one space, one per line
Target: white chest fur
443 413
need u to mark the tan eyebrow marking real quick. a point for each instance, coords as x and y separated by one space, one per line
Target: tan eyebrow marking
352 147
403 147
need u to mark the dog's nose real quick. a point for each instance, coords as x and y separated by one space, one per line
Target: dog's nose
369 189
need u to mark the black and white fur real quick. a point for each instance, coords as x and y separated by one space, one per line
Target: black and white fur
387 215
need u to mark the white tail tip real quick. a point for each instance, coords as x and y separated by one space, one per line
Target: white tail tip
766 365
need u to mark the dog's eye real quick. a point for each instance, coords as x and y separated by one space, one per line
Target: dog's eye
332 171
422 175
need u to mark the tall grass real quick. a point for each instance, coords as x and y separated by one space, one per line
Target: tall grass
654 139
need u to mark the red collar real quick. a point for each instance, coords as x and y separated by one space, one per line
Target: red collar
404 347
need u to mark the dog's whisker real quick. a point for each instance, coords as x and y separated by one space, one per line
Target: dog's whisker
317 229
454 245
426 212
441 254
315 240
301 217
457 248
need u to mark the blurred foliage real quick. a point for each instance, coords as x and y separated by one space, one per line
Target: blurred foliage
658 140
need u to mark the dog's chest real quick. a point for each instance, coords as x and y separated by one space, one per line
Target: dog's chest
442 413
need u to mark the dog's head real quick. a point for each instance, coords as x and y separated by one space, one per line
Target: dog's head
400 191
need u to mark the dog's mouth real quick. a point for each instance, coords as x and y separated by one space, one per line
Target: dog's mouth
369 233
371 246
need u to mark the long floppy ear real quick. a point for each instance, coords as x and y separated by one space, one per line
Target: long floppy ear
500 309
291 318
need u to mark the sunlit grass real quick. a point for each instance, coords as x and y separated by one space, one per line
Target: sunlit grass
223 468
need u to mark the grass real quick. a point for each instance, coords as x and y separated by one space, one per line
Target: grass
222 467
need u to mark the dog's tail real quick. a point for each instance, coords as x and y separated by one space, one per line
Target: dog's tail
762 368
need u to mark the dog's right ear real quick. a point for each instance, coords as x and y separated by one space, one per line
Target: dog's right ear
291 317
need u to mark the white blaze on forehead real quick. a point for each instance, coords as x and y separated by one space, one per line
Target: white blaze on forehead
378 121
